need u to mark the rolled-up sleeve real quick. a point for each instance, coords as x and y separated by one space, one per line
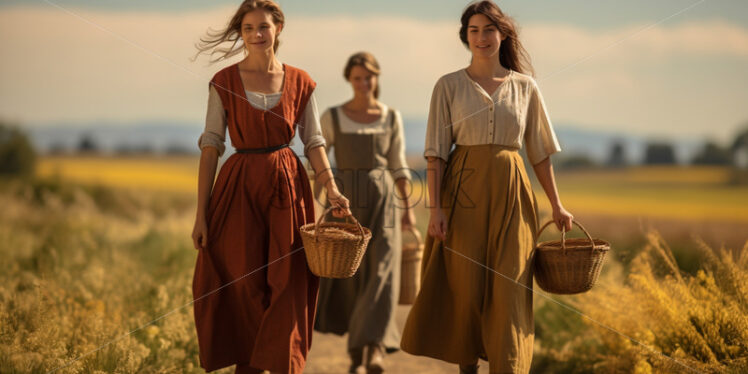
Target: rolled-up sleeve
540 139
309 126
214 134
439 125
396 154
327 128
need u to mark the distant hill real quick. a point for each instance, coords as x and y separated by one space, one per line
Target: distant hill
158 136
161 137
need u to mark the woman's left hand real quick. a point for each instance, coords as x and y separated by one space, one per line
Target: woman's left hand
562 218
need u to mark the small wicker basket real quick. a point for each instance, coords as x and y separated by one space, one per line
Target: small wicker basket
569 266
334 249
410 272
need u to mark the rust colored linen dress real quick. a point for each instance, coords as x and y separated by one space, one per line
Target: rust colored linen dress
255 296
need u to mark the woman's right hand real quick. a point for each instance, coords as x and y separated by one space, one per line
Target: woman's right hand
340 202
438 224
200 234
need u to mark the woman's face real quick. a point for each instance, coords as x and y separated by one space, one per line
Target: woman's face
364 82
483 36
259 31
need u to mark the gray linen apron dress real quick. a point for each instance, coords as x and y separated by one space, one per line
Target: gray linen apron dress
364 306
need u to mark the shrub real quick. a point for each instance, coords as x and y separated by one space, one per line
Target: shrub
17 156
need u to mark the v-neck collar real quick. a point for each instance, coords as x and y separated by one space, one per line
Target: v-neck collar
282 91
483 90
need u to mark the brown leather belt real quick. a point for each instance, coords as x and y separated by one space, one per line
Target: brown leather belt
261 150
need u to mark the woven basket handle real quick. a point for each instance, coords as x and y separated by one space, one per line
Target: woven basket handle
417 234
321 218
563 235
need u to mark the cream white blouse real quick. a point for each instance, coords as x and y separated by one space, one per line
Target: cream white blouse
396 154
215 120
463 113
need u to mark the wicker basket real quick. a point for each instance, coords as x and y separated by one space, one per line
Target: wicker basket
569 266
410 272
334 249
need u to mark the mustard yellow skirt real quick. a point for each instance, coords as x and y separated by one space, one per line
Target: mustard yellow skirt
476 294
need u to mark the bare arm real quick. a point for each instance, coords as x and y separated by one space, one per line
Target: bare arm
324 177
206 175
317 190
544 172
434 175
437 220
402 189
316 184
409 217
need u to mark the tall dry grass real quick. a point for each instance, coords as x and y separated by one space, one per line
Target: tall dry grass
655 318
84 266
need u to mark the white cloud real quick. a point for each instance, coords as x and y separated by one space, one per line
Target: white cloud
686 79
58 68
560 44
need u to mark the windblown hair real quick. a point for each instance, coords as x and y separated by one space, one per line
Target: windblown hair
233 31
512 54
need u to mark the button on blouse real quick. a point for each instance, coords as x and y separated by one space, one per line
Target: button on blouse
462 112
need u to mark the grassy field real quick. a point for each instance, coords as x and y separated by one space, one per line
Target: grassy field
95 249
685 193
83 266
171 174
692 193
617 204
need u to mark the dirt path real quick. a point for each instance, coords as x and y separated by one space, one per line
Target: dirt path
328 356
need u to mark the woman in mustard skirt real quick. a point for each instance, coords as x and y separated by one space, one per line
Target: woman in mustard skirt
476 295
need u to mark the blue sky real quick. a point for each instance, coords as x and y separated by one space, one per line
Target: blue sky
594 14
602 65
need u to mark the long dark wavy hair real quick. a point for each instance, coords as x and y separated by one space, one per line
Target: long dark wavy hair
512 54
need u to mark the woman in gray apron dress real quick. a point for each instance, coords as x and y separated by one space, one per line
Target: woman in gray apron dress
367 138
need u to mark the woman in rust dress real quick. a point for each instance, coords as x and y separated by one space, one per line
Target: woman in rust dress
255 296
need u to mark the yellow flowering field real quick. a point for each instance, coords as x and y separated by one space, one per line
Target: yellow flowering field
175 173
684 193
